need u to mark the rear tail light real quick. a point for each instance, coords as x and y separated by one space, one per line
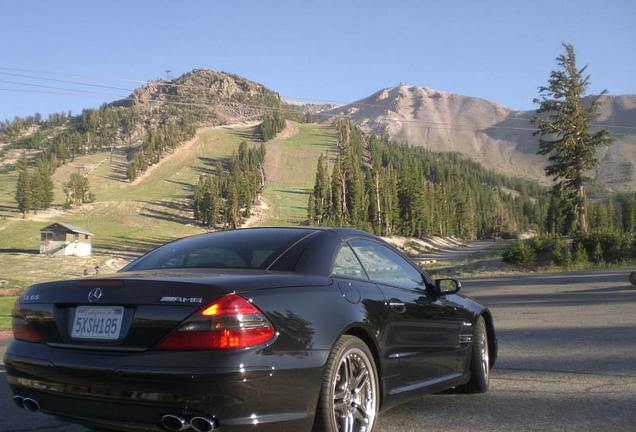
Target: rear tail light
22 330
230 322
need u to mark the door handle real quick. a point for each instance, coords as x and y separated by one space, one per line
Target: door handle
397 306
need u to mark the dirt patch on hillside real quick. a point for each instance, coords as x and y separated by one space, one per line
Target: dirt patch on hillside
415 246
291 130
260 212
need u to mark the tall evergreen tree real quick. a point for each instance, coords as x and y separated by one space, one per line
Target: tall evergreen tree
43 174
23 194
565 126
231 206
37 195
319 200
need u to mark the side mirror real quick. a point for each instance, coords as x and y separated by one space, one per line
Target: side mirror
447 286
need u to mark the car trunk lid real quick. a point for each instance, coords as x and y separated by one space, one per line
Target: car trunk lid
133 311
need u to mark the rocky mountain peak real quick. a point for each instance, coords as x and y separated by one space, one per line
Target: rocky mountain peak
494 135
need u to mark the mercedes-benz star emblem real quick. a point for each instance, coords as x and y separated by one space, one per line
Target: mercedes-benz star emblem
94 295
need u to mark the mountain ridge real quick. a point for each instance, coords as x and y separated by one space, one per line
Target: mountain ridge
494 135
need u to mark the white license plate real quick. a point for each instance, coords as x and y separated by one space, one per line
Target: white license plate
97 322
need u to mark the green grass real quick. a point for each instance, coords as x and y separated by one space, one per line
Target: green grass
8 206
6 304
288 204
290 165
129 219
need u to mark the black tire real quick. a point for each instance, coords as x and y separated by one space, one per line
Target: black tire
479 361
632 277
350 394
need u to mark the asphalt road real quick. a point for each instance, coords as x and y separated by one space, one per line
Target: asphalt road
567 362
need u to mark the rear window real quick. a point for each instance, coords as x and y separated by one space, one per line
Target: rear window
241 249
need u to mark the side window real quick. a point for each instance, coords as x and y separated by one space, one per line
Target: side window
385 266
347 265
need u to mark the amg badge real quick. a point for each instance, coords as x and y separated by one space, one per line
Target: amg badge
181 299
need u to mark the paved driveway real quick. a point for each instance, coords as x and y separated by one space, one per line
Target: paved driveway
567 362
567 359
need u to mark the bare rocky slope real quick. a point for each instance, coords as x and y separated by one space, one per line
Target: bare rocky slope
498 137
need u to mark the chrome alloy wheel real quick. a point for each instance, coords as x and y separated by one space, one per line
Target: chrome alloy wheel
485 360
355 393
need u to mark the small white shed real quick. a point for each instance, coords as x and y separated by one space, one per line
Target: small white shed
65 238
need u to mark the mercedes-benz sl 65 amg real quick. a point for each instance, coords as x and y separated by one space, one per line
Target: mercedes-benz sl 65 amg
266 329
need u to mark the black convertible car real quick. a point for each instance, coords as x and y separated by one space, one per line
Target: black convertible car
267 329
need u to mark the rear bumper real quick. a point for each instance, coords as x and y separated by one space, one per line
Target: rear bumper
248 389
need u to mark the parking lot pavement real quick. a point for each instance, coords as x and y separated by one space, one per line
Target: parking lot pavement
567 359
567 362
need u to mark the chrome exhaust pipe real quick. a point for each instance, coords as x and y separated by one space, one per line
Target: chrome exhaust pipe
30 404
174 423
203 424
19 401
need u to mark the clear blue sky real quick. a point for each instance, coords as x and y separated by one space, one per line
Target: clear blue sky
322 50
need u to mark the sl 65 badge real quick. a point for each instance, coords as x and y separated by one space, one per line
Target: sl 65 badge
168 299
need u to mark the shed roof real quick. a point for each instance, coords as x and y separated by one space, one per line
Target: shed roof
68 227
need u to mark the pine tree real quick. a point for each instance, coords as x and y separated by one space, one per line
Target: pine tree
210 202
389 202
89 123
46 185
36 192
77 189
336 213
272 125
311 211
231 206
319 200
569 144
23 194
131 171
